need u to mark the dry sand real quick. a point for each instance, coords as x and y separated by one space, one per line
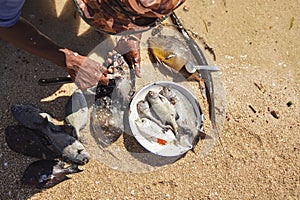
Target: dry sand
257 48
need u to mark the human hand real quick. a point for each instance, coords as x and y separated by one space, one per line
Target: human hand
84 71
129 47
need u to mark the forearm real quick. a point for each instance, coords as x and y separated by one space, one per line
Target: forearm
25 36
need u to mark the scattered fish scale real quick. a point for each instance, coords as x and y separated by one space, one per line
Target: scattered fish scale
105 126
111 102
107 121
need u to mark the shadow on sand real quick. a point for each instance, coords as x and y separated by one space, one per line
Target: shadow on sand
21 73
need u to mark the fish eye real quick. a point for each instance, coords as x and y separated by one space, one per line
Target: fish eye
14 108
85 160
79 151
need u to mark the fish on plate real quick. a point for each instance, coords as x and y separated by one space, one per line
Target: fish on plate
163 109
151 131
143 108
169 94
174 53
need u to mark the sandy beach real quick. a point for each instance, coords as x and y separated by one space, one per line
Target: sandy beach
257 48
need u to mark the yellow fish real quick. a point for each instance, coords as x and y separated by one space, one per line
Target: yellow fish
172 52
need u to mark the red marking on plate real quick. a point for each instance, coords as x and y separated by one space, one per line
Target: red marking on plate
161 141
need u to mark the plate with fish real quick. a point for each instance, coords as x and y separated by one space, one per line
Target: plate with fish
166 119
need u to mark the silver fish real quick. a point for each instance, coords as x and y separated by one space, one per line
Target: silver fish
163 109
77 112
169 94
143 108
146 126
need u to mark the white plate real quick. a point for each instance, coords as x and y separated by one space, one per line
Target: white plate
164 143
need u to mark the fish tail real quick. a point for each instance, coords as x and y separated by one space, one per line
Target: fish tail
73 169
209 90
217 134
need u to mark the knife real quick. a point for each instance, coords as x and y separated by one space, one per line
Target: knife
54 81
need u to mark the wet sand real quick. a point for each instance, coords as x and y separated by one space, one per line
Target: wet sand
257 48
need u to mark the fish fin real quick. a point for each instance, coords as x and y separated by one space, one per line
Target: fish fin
162 98
153 58
52 126
73 169
172 55
44 122
159 63
176 116
54 181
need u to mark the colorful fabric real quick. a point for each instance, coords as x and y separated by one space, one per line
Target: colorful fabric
10 11
125 16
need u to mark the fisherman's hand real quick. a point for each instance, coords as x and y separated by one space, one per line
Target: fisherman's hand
129 47
84 71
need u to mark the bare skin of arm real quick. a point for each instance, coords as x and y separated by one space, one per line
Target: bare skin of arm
84 71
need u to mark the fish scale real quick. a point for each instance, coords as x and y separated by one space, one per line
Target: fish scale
70 149
163 109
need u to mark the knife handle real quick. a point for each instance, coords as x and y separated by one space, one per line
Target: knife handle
54 81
